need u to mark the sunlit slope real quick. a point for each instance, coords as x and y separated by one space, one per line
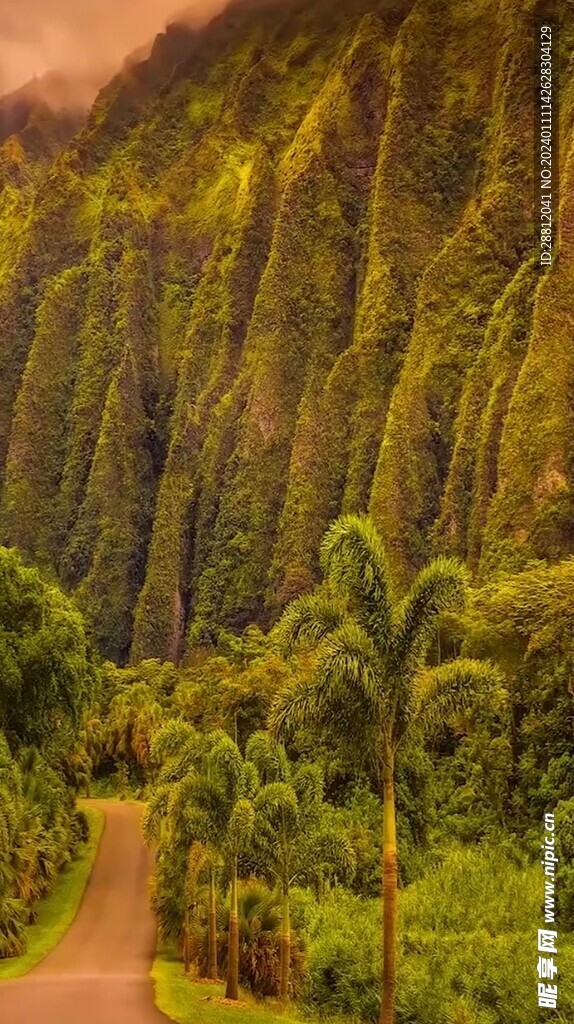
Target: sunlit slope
286 269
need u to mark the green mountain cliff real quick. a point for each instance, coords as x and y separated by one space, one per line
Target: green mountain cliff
286 269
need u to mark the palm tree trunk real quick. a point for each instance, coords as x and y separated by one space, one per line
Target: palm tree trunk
232 990
285 953
389 893
186 942
212 929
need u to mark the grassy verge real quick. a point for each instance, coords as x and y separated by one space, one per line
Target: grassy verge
193 1002
58 910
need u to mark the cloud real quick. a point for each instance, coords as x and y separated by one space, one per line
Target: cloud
86 40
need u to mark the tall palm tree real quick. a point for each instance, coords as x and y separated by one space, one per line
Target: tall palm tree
291 835
184 811
241 822
237 785
371 685
204 800
198 861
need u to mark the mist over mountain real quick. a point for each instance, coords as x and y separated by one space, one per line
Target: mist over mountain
85 43
284 270
19 108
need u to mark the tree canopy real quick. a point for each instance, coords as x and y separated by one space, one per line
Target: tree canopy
45 664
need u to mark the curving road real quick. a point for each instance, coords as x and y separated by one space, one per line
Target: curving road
99 973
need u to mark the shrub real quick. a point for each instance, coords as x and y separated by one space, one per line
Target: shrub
38 835
343 955
564 832
468 943
80 828
259 939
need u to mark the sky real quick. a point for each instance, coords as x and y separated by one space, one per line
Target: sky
86 39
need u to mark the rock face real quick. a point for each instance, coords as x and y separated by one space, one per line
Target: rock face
286 268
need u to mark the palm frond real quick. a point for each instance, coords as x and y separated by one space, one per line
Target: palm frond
190 791
305 621
268 756
440 586
331 848
345 694
213 738
226 758
194 825
309 784
347 670
171 739
248 782
455 686
296 705
155 812
353 558
278 798
240 827
199 859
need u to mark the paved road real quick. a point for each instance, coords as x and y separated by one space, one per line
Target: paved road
99 973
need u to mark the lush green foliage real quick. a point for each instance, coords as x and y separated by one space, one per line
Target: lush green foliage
259 930
39 833
45 675
45 671
212 810
371 686
283 272
484 791
465 949
57 910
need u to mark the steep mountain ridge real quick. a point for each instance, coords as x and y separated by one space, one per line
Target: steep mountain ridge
40 116
285 270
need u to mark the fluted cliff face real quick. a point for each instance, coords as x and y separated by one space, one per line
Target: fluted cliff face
287 268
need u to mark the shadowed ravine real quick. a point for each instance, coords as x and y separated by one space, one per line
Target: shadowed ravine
99 973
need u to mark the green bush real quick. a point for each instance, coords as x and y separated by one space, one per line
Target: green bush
39 833
259 939
564 832
80 827
468 945
343 934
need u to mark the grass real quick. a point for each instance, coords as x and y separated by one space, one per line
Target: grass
57 911
190 1002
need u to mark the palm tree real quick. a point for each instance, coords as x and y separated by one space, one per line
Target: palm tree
204 798
238 783
198 860
182 815
291 835
371 686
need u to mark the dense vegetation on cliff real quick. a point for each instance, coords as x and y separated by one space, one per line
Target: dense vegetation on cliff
284 271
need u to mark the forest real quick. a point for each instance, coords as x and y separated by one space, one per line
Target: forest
286 505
